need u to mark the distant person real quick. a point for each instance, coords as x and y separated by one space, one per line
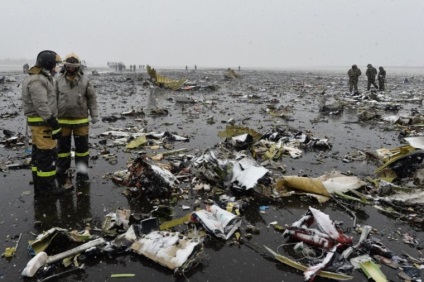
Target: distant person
238 68
76 102
381 79
371 73
195 67
186 68
39 102
25 68
354 73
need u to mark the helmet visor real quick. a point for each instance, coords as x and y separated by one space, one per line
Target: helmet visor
72 62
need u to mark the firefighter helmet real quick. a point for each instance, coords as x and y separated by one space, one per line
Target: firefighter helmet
48 59
72 60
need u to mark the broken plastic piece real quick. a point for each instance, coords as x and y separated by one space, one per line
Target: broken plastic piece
34 264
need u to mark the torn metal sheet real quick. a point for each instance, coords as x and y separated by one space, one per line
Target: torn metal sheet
234 130
326 237
324 185
247 172
43 240
217 221
150 179
313 270
115 221
164 81
209 167
170 249
416 142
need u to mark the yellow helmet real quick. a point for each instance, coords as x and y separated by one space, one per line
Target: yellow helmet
72 60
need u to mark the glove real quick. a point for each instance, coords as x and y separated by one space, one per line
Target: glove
56 130
94 120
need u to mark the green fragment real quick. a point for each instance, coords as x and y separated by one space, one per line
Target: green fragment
278 227
122 275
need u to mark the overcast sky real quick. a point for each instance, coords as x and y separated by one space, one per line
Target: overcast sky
218 33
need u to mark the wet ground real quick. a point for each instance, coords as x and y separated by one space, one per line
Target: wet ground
244 100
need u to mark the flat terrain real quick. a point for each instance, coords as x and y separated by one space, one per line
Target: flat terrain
244 101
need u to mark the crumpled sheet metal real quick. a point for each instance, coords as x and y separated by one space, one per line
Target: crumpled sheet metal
42 241
234 130
116 220
170 249
327 235
416 142
243 172
323 185
208 166
247 172
164 81
217 221
150 179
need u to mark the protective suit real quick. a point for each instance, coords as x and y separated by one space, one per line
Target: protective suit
40 107
76 103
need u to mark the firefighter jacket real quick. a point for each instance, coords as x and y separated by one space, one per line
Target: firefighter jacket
76 100
39 100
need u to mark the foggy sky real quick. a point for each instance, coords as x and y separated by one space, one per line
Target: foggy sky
218 33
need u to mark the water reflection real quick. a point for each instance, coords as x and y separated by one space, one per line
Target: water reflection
71 210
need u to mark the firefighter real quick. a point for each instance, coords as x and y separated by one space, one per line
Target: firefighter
76 102
39 103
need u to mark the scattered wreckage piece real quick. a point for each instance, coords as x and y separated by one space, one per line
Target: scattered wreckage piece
246 172
323 186
217 221
163 81
403 165
42 258
243 173
230 74
42 241
372 270
116 221
150 179
170 249
327 236
303 268
234 130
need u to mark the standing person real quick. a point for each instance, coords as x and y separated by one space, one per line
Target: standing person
39 102
354 73
76 102
381 78
26 68
371 74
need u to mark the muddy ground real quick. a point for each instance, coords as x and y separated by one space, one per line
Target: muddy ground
246 101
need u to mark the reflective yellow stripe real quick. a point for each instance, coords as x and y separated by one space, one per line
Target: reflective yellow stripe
35 119
46 173
34 169
64 155
82 154
56 131
73 121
